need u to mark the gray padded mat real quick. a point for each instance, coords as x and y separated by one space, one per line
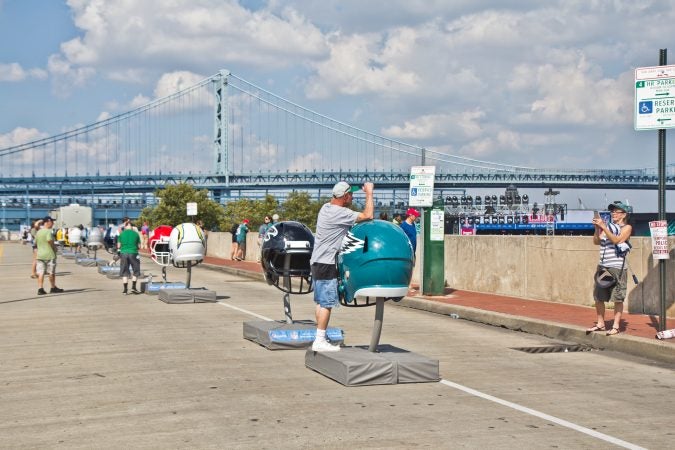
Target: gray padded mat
91 262
108 269
279 335
356 366
154 287
187 296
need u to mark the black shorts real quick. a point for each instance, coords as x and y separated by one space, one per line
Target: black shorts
322 271
130 260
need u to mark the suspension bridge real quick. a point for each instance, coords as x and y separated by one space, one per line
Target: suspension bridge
237 139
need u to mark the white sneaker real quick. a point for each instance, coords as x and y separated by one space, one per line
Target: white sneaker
324 346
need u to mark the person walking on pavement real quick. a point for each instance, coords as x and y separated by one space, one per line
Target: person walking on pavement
332 225
234 245
145 232
397 219
610 278
46 257
267 222
242 231
410 230
128 243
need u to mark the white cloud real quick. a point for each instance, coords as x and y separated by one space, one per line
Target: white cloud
134 40
14 72
20 135
139 101
306 162
466 123
361 64
170 83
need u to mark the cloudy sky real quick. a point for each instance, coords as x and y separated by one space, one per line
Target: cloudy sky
525 82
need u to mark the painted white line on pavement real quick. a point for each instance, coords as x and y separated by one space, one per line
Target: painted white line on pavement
506 403
544 416
245 311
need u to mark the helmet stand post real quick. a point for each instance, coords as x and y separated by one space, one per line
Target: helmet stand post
287 286
189 275
377 325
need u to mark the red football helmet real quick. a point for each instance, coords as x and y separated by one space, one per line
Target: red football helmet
159 245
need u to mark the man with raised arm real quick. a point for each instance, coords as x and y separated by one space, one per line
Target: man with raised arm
333 223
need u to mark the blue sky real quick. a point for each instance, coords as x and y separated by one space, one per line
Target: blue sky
529 83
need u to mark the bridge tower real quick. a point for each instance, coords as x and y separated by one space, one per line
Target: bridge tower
221 120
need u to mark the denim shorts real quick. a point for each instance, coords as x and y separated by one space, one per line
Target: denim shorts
326 293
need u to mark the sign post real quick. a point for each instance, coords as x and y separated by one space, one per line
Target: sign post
421 194
655 109
654 97
191 209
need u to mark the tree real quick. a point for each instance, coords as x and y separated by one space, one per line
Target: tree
172 207
300 207
253 210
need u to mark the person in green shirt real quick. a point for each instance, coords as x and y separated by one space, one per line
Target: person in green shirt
45 257
128 243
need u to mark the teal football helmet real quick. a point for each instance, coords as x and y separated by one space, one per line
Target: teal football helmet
375 260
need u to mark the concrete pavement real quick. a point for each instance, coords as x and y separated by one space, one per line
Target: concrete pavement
91 368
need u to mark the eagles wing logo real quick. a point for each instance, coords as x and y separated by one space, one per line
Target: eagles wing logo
350 244
271 232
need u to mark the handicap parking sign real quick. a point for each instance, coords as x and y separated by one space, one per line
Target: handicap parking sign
645 107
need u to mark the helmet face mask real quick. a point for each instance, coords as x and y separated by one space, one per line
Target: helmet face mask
286 251
375 261
159 245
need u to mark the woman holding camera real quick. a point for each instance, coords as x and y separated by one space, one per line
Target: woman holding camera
611 273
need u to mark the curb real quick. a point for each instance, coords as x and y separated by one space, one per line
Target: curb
636 346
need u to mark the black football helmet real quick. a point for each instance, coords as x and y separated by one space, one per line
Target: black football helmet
286 250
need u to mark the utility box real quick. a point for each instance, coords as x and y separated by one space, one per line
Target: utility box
434 258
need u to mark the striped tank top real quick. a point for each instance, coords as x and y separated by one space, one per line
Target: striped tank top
608 253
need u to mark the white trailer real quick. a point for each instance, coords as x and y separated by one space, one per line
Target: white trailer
71 216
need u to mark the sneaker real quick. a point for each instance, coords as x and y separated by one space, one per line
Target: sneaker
41 291
55 290
124 292
324 346
135 291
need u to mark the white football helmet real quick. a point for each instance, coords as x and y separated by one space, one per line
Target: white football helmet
75 236
95 240
187 245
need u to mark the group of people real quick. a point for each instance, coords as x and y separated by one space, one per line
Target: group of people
239 232
44 242
334 221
